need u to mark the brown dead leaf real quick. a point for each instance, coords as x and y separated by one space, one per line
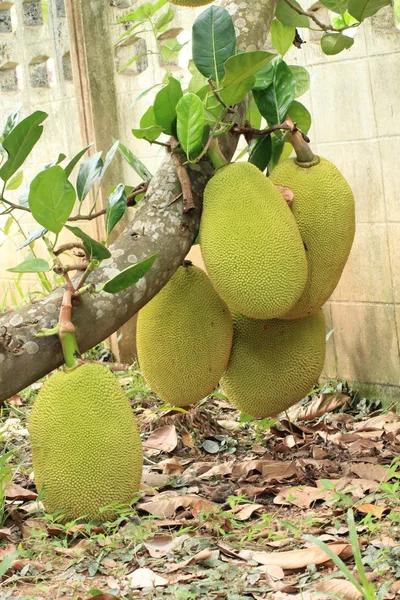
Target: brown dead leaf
172 466
161 545
16 492
295 559
153 480
5 534
341 588
218 469
19 564
187 440
103 597
370 471
302 497
202 555
269 469
373 509
384 540
145 578
167 506
164 438
325 403
75 551
377 422
16 400
396 586
5 550
319 453
245 511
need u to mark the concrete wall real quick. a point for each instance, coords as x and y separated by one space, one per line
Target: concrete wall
354 99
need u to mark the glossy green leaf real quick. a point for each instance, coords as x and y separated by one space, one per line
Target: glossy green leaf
89 172
336 6
274 102
11 121
142 13
190 126
74 161
300 115
264 77
278 146
282 36
116 207
198 80
20 142
108 160
51 198
31 265
361 9
144 93
148 133
148 119
171 48
129 276
16 181
254 116
164 20
93 247
288 16
131 61
134 162
165 105
214 41
240 73
302 77
334 43
261 152
33 236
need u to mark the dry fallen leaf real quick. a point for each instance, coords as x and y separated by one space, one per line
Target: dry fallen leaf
324 403
245 511
218 469
377 422
302 497
295 559
187 440
341 588
161 545
145 578
152 480
5 534
269 469
19 564
396 586
373 509
16 492
165 439
102 597
370 471
167 506
202 555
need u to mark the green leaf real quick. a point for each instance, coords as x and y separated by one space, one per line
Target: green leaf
333 43
5 564
164 20
274 102
361 9
171 48
116 207
198 80
165 105
31 265
300 115
129 276
93 247
261 152
134 162
74 161
288 16
142 13
148 119
264 77
278 146
144 93
11 121
214 41
239 74
89 172
33 236
8 224
148 133
190 126
302 77
20 142
131 61
15 181
337 6
282 36
109 158
51 198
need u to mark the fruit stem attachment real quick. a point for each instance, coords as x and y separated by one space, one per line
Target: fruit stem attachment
67 332
304 155
216 156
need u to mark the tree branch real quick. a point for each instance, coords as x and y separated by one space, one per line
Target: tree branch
312 16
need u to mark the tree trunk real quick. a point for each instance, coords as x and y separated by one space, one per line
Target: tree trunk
156 227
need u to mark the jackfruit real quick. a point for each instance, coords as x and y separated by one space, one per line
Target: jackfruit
184 338
273 364
86 447
323 207
192 3
250 243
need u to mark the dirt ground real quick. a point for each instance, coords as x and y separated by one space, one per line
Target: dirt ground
224 507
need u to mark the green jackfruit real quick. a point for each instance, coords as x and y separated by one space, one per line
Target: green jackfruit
191 3
184 338
323 207
251 246
273 364
86 447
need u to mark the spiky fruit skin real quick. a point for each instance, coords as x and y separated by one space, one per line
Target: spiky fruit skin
184 338
86 447
191 3
324 210
273 364
250 243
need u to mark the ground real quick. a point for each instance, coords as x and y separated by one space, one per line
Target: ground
224 506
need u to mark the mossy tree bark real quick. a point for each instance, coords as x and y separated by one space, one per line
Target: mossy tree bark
156 227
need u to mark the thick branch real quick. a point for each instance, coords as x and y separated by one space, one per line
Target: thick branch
311 16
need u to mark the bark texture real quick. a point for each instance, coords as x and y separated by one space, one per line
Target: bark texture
156 227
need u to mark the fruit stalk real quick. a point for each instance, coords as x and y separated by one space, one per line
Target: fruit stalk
304 155
216 156
67 332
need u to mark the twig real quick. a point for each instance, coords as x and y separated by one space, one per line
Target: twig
175 199
311 16
139 189
164 144
116 367
70 246
218 97
183 176
63 269
241 129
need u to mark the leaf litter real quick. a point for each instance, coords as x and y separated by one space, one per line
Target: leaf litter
222 509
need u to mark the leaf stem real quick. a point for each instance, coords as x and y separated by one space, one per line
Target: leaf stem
214 153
